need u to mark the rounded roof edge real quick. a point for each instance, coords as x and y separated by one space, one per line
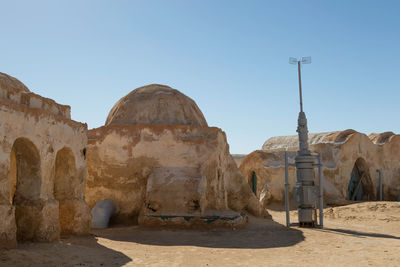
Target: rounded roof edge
291 141
10 83
381 138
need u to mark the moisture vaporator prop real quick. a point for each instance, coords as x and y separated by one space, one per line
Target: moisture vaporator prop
305 193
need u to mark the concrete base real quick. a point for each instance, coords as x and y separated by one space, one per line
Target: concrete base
233 220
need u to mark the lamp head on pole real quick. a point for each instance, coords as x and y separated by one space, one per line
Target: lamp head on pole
306 60
302 60
293 60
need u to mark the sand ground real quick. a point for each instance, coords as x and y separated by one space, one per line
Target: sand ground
359 234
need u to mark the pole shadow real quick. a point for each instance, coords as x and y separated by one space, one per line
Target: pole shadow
357 233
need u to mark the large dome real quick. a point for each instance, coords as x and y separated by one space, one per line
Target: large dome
10 83
155 104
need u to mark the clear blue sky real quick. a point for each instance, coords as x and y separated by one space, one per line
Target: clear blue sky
231 57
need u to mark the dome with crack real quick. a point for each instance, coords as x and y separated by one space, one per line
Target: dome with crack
156 104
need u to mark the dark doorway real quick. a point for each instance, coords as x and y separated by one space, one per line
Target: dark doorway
360 184
253 183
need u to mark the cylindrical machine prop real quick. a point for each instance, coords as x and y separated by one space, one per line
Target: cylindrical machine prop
305 190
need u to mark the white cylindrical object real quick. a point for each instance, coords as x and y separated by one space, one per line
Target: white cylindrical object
101 214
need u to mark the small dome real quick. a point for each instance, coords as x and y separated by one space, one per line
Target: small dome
10 83
155 104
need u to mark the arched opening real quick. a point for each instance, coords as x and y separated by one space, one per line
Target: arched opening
253 182
25 183
360 184
66 183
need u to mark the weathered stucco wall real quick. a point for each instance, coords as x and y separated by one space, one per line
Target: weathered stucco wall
13 90
164 170
340 151
42 170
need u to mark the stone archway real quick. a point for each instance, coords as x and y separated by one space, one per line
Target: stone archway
25 183
360 184
66 184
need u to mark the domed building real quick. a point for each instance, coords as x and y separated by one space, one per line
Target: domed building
352 163
168 106
42 167
159 163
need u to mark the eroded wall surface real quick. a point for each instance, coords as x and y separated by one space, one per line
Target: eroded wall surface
165 170
42 169
340 153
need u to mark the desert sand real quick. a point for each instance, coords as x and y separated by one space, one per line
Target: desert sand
359 234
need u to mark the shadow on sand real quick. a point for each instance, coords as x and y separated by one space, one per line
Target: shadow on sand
69 251
357 233
87 251
259 233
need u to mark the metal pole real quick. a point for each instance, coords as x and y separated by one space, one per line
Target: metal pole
380 185
300 91
287 190
321 192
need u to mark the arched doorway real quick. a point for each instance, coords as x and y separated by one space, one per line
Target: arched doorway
65 185
360 184
253 182
25 183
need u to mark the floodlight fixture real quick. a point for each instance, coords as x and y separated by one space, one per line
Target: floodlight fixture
306 60
293 60
302 60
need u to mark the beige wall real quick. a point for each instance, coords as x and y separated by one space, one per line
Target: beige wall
45 134
164 170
